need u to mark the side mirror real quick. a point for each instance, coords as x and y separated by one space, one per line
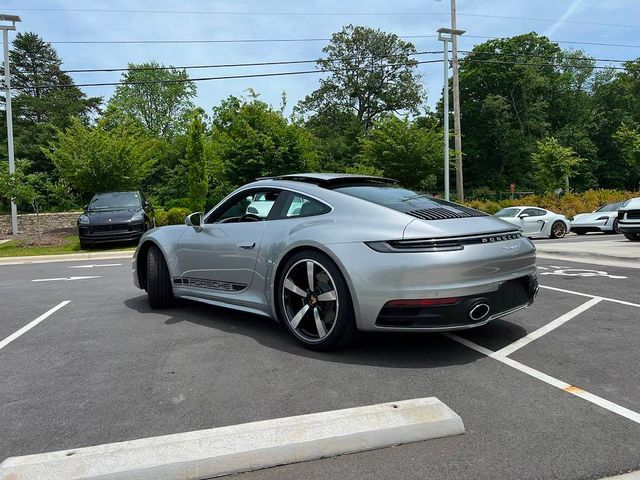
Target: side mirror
194 220
523 215
84 207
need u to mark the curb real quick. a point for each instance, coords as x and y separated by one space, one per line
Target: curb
625 476
67 257
245 447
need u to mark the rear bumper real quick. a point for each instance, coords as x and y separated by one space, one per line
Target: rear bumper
511 296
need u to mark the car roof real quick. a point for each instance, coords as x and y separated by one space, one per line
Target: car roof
327 179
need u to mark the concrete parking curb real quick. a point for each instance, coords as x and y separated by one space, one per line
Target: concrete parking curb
67 257
250 446
625 476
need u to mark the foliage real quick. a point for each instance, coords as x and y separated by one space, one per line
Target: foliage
175 216
553 164
404 151
44 98
159 97
372 73
569 204
251 139
196 163
93 159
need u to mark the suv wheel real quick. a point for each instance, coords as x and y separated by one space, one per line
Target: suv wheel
634 237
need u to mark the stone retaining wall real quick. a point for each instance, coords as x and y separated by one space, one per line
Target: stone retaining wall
49 222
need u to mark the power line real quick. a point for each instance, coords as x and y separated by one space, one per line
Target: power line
201 79
231 65
545 64
474 53
316 14
294 40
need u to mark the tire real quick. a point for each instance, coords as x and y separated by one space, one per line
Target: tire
159 290
634 237
558 229
615 229
84 245
295 296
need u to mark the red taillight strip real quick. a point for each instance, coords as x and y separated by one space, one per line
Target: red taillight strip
421 302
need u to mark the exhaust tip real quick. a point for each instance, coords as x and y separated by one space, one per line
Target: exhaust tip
479 312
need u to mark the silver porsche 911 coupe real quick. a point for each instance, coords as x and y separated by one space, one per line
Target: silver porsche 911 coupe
330 254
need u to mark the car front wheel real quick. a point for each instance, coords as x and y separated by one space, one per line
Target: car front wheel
314 303
634 237
159 289
558 229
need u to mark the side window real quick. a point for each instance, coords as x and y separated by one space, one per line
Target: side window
249 207
302 206
541 212
532 212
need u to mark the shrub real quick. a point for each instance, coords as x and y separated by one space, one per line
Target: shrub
175 216
161 217
177 203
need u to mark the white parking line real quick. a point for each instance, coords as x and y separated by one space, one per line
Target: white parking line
32 324
64 279
95 266
527 339
614 300
577 391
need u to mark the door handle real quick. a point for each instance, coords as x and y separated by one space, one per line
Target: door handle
247 245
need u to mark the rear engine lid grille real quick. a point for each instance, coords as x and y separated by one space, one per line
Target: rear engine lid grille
446 213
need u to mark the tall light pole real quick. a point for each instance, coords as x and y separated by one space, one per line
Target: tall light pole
457 133
445 35
9 23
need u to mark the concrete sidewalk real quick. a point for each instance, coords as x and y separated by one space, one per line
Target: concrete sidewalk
617 252
67 257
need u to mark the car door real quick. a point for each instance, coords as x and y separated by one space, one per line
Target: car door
534 222
221 254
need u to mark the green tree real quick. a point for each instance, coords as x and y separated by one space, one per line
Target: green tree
159 97
554 164
371 73
196 163
402 150
44 98
251 139
95 159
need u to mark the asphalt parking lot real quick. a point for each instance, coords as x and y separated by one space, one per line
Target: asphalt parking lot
104 368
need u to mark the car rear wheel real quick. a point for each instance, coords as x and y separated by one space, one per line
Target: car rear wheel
314 303
615 227
634 237
159 290
558 229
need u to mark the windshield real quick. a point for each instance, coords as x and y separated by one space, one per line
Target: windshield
399 199
508 212
612 207
103 201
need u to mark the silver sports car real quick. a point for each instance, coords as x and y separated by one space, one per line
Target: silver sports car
604 219
330 254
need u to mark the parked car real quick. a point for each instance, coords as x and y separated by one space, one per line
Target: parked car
360 253
629 219
536 222
604 219
114 217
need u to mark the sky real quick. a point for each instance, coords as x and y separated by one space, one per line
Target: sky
597 21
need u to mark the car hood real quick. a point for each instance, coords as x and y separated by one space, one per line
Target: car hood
119 215
457 227
592 217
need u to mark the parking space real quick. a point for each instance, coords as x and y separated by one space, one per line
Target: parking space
104 368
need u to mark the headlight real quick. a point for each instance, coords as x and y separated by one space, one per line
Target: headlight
137 217
83 219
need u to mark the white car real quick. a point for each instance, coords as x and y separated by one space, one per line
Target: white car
629 219
604 219
536 222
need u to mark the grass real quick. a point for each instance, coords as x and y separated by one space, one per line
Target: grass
71 244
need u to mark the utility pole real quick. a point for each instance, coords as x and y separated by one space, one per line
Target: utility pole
446 35
456 105
5 27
